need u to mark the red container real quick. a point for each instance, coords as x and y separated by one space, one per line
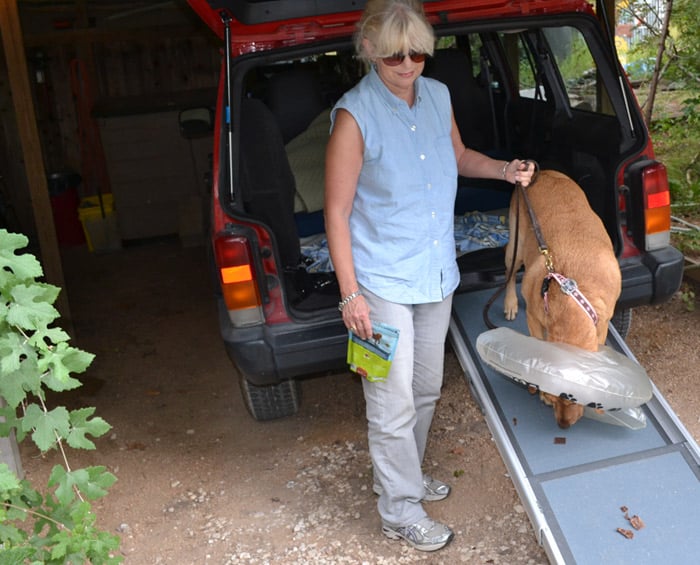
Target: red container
64 205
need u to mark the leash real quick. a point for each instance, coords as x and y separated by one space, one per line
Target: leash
485 314
541 243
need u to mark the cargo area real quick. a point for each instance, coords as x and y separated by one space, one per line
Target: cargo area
574 124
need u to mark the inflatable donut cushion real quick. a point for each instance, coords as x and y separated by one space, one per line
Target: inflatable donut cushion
601 380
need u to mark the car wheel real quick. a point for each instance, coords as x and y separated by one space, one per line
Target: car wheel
272 401
622 321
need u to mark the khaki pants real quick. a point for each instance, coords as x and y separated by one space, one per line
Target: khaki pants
400 410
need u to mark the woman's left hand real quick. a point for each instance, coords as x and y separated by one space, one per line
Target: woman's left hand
520 171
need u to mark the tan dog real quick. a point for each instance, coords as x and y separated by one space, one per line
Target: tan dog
581 250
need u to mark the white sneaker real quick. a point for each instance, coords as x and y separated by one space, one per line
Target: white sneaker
424 535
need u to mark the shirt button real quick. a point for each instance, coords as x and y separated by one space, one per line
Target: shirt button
413 128
430 186
422 157
435 242
432 214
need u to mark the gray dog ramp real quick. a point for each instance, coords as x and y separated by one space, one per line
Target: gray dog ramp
582 486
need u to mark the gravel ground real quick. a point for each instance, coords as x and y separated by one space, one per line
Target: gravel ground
201 482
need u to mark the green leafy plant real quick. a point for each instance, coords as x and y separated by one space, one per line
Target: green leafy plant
687 294
675 137
688 242
58 525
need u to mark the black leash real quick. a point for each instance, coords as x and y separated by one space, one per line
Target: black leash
541 243
519 187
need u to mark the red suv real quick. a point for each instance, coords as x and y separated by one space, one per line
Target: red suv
528 78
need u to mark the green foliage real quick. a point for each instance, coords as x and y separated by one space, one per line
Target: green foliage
677 142
57 526
675 126
691 111
577 60
688 242
681 60
688 297
685 25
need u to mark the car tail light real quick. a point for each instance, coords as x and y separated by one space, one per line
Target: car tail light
238 283
657 207
650 220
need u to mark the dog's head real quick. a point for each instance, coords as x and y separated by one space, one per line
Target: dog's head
566 413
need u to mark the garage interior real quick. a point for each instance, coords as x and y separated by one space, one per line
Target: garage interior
91 152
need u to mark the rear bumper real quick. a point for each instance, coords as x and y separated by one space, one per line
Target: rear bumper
652 278
266 355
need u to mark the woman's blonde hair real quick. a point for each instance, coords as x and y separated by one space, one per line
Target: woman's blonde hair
393 26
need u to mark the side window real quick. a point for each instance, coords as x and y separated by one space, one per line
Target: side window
529 85
475 46
469 43
557 63
578 70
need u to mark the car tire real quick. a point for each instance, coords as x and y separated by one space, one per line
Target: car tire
622 320
271 402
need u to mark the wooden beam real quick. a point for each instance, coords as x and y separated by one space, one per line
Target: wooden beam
31 148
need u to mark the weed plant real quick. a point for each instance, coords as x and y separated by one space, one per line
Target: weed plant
676 137
52 525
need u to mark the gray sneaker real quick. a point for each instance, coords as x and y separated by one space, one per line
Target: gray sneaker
434 489
424 535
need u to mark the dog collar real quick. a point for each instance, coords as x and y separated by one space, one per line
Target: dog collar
570 288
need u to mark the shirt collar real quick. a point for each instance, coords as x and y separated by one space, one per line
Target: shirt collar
391 100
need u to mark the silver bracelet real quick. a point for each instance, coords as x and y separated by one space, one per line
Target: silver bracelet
503 170
348 299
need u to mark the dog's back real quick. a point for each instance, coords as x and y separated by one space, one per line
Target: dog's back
581 250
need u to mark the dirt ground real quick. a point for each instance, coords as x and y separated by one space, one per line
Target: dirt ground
200 482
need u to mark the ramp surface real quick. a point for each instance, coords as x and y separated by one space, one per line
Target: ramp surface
574 483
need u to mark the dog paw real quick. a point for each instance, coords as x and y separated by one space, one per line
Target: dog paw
510 310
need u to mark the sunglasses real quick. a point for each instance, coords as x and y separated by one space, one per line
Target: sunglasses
397 58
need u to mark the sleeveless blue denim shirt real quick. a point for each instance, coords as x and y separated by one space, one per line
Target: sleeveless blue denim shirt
402 220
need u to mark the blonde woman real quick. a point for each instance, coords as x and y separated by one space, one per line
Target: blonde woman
391 178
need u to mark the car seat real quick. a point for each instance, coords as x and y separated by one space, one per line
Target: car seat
470 100
474 115
294 96
267 182
268 187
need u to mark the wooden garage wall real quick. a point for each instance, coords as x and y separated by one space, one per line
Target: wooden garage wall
156 66
139 78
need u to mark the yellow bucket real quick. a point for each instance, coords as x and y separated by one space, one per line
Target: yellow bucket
99 223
